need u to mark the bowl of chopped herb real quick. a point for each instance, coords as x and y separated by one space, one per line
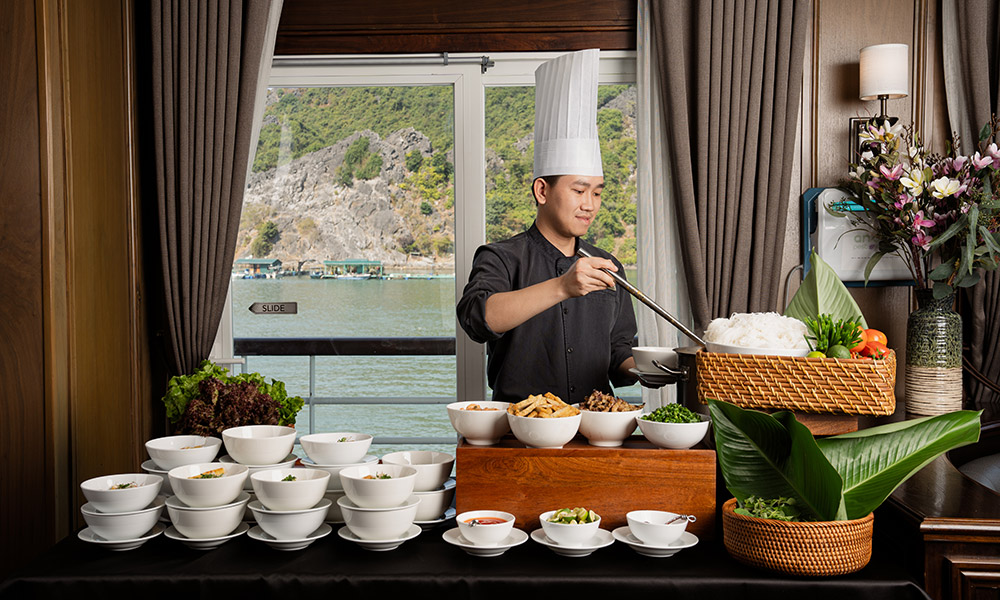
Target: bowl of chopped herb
337 448
290 489
207 484
674 426
378 486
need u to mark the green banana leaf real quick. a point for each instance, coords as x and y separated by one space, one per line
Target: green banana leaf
822 292
774 456
874 462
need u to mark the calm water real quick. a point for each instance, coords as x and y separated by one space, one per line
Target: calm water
352 308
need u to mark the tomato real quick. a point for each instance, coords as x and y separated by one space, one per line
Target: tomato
876 350
874 335
864 340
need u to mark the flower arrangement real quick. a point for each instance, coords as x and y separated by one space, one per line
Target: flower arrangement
921 206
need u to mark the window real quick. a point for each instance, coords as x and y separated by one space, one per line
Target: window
369 186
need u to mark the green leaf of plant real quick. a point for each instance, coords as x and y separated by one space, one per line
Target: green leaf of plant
874 462
760 456
949 233
943 271
968 280
941 290
871 264
822 292
984 133
970 237
988 239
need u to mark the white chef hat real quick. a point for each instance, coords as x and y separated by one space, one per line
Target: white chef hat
566 116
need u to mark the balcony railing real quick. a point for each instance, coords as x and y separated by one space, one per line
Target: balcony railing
312 347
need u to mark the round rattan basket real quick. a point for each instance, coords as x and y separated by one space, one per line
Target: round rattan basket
816 549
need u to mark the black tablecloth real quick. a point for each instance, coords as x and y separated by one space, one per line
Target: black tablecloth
425 567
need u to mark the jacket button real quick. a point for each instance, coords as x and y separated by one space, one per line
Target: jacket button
572 388
569 350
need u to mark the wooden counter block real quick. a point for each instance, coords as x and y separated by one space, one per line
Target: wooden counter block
610 481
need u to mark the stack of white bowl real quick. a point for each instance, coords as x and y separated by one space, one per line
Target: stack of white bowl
331 452
379 507
290 507
259 448
208 511
433 483
122 510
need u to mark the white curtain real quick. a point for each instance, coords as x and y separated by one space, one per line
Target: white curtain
661 274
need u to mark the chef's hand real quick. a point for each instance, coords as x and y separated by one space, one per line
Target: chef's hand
586 276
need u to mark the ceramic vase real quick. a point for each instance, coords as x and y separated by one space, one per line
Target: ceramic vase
933 356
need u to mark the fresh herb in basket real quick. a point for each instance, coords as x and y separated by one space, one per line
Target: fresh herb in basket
838 478
834 339
781 509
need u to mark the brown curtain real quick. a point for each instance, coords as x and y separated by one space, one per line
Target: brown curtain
731 73
206 62
971 46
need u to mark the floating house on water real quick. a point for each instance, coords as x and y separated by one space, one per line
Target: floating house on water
257 268
352 269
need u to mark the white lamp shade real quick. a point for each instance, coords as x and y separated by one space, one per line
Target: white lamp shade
885 71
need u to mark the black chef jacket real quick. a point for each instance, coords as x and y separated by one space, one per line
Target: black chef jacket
570 349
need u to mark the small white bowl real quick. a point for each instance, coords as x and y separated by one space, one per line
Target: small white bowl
206 493
651 528
379 523
124 525
286 463
102 496
203 523
378 493
535 432
645 355
327 449
290 524
334 514
433 504
485 534
730 349
480 427
334 470
152 468
607 429
179 450
259 444
303 493
571 535
676 436
433 468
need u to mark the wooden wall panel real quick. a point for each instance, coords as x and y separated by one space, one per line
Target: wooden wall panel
420 26
24 491
105 409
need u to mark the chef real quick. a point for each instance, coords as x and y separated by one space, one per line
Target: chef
553 322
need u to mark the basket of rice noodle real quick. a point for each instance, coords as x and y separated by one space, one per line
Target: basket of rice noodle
758 360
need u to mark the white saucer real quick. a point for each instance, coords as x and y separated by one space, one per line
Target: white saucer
379 545
87 535
258 534
448 514
207 543
368 459
624 534
652 376
601 539
516 538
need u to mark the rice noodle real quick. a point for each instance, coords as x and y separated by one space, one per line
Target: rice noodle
758 330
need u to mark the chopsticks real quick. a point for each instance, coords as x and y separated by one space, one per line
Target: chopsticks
648 302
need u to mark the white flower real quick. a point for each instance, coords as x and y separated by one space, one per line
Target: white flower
914 181
856 173
944 186
867 155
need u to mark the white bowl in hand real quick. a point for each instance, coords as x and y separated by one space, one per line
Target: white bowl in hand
179 450
127 492
645 355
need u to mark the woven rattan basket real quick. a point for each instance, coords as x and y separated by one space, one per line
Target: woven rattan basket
855 386
816 549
